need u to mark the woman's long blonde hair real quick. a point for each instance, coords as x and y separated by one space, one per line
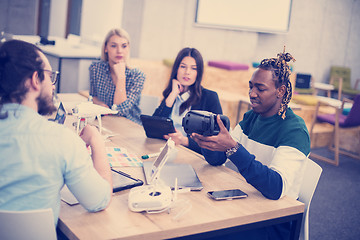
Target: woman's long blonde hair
116 31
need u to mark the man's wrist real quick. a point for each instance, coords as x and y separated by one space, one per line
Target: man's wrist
185 141
232 150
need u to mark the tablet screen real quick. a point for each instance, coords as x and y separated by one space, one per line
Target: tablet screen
161 160
157 127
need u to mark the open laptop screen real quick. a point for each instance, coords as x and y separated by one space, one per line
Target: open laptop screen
60 115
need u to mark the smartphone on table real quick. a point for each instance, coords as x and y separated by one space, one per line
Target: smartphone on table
227 194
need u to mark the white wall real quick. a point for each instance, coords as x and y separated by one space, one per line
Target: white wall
58 15
168 26
19 16
322 33
320 36
98 17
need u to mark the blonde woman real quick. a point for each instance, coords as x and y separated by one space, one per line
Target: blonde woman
112 83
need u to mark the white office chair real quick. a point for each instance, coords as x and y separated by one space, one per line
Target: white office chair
311 178
32 224
148 104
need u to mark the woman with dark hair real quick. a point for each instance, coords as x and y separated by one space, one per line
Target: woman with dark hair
184 93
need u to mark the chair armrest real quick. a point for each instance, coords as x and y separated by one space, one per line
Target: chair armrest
346 102
323 86
357 84
336 104
332 102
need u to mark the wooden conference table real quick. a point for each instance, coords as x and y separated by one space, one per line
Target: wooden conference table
206 218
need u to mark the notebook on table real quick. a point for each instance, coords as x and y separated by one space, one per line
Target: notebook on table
185 174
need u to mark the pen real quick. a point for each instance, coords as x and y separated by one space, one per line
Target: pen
150 155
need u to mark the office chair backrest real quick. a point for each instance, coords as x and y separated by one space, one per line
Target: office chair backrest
32 224
303 80
337 72
353 118
148 104
311 178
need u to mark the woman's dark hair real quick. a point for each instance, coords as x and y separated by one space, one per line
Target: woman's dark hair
195 89
281 74
18 61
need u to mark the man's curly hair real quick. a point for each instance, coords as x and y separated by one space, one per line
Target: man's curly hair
281 74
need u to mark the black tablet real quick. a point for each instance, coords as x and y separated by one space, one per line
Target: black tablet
157 127
122 181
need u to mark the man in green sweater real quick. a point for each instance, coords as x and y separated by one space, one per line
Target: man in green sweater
269 146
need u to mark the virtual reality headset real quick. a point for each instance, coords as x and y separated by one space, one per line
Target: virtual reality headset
203 122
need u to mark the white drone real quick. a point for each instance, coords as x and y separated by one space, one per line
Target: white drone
87 110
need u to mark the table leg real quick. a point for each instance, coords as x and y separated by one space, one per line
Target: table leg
296 227
59 69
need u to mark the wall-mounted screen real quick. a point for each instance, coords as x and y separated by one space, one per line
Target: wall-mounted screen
251 15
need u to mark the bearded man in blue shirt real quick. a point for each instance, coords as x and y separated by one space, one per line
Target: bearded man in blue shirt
39 156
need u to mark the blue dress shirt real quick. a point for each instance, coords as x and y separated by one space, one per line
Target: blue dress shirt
38 157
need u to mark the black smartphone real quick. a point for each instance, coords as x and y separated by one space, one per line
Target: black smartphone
227 194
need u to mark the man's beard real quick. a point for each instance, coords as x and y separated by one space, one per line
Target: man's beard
45 105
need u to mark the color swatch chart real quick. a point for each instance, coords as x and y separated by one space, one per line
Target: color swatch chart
119 157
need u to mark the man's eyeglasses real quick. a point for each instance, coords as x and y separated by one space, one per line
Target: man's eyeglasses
54 76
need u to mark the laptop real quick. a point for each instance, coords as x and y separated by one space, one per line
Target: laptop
185 174
60 115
